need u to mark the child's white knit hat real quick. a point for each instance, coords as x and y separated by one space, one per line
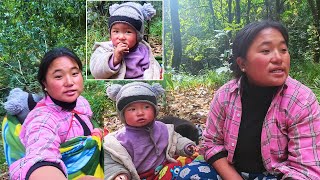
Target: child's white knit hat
131 13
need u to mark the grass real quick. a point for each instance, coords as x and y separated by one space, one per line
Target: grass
209 79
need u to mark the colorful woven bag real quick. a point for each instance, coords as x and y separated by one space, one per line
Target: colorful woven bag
82 155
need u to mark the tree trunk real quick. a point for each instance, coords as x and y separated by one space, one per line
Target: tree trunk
165 31
230 14
212 14
176 35
238 12
266 3
278 10
221 10
314 6
248 12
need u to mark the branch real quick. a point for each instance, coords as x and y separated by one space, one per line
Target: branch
20 68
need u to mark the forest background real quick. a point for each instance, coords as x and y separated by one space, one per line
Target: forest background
196 36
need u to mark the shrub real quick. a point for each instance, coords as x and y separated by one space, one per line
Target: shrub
95 93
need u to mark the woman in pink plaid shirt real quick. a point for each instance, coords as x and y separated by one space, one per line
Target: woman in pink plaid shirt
61 115
263 124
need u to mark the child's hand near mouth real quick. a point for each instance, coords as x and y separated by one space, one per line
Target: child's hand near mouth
119 51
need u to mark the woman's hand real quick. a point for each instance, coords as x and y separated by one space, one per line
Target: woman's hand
226 170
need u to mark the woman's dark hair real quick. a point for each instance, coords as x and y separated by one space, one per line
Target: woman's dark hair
50 56
246 35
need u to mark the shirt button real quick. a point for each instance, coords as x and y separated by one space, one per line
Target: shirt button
232 144
238 115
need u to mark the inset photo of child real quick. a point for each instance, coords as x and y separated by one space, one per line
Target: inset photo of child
124 40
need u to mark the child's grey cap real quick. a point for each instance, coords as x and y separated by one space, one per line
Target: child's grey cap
131 13
19 103
134 92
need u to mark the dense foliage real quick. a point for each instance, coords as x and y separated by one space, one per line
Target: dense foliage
28 29
209 26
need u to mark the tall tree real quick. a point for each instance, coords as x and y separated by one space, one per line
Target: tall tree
230 14
315 9
248 12
267 4
278 10
221 11
238 12
165 31
176 35
212 14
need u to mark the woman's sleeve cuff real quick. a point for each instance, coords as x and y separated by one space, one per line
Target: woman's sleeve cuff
219 155
41 164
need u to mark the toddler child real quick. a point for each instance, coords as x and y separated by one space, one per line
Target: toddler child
126 55
144 148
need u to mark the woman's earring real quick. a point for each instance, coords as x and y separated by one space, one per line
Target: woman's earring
243 70
45 89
